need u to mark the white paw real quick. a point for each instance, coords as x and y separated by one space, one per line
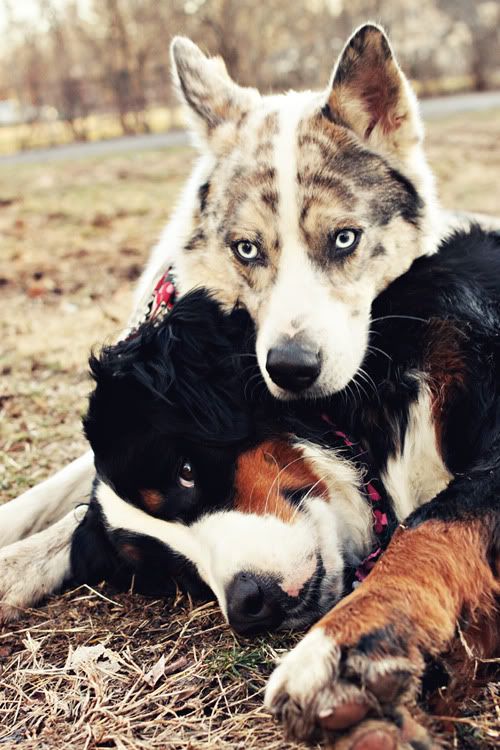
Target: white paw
314 688
304 688
34 567
18 588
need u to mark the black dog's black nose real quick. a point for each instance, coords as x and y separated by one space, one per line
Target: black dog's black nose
251 605
293 365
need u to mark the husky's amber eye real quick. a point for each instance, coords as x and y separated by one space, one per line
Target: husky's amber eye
186 476
246 251
344 241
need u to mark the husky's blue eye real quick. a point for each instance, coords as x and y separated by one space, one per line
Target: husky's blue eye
246 251
344 241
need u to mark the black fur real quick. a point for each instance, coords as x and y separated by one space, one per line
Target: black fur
460 286
177 381
173 391
184 388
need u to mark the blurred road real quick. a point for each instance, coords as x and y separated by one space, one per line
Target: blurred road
441 106
99 148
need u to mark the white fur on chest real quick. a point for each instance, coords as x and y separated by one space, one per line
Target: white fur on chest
416 473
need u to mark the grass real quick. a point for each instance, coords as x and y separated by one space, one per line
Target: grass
74 237
122 671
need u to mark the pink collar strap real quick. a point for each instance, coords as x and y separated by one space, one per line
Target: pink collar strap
383 517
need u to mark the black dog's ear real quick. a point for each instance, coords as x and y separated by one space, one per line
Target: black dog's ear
179 377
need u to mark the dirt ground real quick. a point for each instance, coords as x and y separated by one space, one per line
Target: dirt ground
74 238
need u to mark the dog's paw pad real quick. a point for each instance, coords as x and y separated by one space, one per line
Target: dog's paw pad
375 739
344 716
304 686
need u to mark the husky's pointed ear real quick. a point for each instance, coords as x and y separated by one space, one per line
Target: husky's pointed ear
371 95
212 97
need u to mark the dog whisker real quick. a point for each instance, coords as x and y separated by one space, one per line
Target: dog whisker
372 348
369 381
400 317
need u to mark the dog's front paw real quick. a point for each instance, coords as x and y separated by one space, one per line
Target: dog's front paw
16 583
306 687
324 683
34 567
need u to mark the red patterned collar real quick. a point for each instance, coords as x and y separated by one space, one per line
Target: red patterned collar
163 297
161 301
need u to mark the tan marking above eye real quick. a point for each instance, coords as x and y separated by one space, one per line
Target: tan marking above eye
152 499
130 552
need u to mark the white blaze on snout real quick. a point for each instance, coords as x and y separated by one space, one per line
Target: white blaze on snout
222 544
237 542
122 515
302 300
303 303
287 301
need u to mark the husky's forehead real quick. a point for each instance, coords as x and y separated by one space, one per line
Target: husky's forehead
335 170
289 159
246 175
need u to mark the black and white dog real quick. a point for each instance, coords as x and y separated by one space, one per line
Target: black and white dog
308 210
279 508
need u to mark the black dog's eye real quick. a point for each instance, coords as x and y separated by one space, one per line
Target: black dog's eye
186 476
246 251
343 242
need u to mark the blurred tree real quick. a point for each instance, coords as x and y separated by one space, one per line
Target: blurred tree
69 95
482 26
111 55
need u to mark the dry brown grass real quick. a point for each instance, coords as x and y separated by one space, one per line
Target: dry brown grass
128 672
74 236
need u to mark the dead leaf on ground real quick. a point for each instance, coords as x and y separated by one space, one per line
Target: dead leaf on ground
90 658
156 672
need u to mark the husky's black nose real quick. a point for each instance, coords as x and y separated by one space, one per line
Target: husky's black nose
252 605
293 364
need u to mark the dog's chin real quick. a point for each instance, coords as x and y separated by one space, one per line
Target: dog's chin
330 592
281 394
319 390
